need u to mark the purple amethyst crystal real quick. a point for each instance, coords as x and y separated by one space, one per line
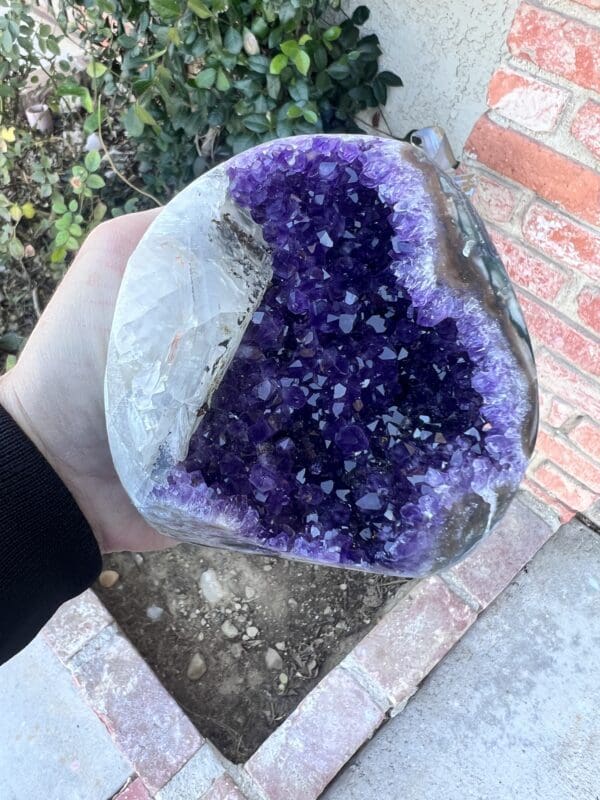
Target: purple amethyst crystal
381 407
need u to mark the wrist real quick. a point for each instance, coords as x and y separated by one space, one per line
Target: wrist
11 400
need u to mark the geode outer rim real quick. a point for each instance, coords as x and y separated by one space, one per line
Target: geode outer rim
423 293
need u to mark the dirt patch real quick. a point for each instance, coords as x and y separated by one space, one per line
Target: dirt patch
239 640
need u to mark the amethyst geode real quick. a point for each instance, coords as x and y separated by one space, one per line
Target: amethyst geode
371 400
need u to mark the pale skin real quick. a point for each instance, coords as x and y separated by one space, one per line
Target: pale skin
56 390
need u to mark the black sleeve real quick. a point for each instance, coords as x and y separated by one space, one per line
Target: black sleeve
48 553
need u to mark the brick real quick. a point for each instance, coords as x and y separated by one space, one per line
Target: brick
563 487
569 384
525 100
413 637
75 623
586 434
551 175
534 273
554 411
194 778
494 563
563 240
564 514
586 126
570 459
304 754
495 201
595 4
556 333
588 307
143 719
223 789
135 791
558 44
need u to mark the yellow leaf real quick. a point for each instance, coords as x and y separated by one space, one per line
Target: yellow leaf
15 212
8 134
28 210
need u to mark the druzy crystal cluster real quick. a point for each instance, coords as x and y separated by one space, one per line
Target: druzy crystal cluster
377 406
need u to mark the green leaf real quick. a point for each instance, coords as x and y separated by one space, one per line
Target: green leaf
257 123
11 360
302 62
304 39
61 238
127 42
390 78
7 41
70 88
95 70
361 15
223 83
273 86
73 205
278 64
338 70
333 33
165 9
100 210
72 243
206 78
75 230
259 64
45 31
320 57
59 207
15 248
294 112
242 141
233 41
259 27
58 255
199 9
310 116
380 91
92 160
95 182
289 47
145 116
132 123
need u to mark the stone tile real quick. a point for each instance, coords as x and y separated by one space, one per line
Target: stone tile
135 791
75 623
223 789
193 778
410 640
144 720
302 756
512 712
52 745
497 560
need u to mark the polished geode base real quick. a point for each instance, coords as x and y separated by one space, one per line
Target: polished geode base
371 402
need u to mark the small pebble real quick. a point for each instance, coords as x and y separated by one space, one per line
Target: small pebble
249 592
252 632
283 678
154 612
196 667
273 660
293 603
108 578
229 629
236 650
201 636
280 645
139 559
211 587
267 568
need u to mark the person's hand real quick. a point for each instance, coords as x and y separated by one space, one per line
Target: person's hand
56 390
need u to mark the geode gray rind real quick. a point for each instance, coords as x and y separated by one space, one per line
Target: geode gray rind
317 353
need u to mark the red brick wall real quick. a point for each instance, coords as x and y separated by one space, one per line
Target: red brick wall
536 155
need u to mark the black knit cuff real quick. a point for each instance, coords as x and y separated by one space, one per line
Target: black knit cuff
48 553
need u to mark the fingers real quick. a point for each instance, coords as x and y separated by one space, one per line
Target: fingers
113 241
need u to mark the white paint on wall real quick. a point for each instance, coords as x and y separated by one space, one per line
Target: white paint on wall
445 53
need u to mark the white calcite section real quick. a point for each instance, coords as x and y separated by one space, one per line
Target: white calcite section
187 296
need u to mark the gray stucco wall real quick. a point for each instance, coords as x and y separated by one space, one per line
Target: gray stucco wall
445 53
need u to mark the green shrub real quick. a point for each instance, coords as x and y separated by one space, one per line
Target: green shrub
162 90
